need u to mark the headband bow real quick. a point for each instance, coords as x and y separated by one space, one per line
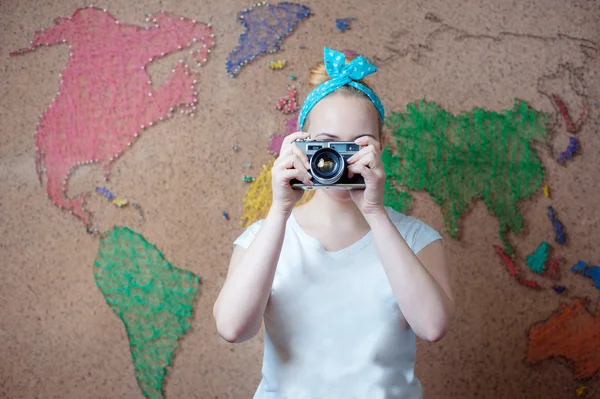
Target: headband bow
341 74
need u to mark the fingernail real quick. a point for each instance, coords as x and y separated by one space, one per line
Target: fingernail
307 165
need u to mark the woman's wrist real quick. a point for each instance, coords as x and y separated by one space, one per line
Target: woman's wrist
376 216
280 213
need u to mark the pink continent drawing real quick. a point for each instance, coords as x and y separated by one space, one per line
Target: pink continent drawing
276 140
106 96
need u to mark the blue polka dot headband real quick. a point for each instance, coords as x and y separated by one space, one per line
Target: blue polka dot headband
341 74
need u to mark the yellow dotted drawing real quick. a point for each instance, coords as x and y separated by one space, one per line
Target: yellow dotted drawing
120 202
257 199
277 64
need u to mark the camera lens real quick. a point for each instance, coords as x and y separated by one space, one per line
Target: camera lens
327 166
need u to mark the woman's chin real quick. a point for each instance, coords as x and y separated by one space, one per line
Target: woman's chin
339 195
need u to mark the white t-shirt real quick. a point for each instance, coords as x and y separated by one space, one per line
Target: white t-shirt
333 329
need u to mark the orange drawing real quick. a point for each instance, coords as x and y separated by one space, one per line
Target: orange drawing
572 333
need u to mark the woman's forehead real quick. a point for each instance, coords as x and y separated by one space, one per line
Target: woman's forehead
344 115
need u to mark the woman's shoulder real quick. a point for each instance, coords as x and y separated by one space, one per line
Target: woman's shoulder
415 232
255 225
248 234
399 218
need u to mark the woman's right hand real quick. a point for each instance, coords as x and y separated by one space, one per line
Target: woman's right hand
291 164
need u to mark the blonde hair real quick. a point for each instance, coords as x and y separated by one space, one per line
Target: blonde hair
318 74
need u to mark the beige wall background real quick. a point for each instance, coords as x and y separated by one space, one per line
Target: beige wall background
58 337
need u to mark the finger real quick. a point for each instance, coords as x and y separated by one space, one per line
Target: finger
289 152
368 160
292 161
378 170
288 175
367 140
362 170
287 140
371 159
301 154
365 150
368 174
283 155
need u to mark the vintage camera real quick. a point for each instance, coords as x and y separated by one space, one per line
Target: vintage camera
328 165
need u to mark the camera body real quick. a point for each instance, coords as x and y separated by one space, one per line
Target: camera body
328 166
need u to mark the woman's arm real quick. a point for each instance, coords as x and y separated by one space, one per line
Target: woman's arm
241 304
421 283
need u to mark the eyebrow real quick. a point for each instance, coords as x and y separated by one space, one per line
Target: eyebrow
333 136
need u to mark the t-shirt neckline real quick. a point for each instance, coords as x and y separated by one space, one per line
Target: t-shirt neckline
356 246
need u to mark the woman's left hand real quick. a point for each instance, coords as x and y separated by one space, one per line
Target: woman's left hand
367 163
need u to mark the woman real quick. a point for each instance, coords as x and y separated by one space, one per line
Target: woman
343 283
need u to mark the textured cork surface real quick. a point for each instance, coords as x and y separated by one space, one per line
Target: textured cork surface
61 340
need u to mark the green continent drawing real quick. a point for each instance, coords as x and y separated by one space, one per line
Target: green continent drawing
458 159
152 297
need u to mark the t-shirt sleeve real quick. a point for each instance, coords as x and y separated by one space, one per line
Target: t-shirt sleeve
423 235
248 235
416 233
